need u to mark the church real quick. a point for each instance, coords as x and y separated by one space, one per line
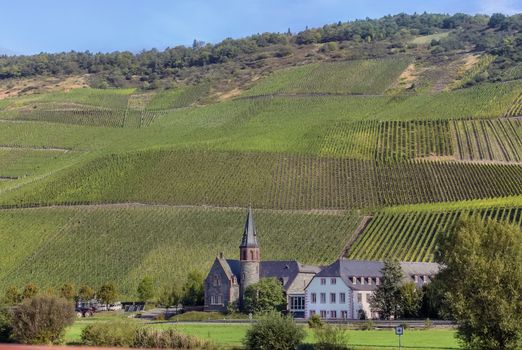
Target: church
228 278
341 290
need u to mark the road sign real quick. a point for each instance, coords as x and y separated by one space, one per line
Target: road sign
399 331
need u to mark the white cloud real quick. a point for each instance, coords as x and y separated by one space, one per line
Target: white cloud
508 7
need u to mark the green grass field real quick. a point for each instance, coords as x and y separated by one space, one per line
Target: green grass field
232 335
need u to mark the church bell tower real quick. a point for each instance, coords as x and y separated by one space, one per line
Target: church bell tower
249 255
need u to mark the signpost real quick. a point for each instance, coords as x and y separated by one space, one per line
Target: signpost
399 331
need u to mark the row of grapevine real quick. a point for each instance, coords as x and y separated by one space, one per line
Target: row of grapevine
124 244
269 181
348 77
516 108
413 235
488 139
470 74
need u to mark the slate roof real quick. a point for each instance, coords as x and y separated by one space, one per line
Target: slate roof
280 269
249 239
346 269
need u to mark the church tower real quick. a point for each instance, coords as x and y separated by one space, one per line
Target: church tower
249 256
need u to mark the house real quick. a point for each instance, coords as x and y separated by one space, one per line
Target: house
342 289
228 278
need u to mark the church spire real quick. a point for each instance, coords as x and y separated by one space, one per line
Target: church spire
249 239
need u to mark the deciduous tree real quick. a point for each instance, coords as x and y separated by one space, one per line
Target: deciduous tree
482 282
266 295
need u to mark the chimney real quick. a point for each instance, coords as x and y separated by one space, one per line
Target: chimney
221 255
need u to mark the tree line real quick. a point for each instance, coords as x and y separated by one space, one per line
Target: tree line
151 65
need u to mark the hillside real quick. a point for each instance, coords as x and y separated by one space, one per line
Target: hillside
115 184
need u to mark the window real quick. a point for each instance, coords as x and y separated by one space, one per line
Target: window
333 280
313 296
342 298
323 313
323 298
216 281
216 300
354 280
344 314
332 298
333 314
323 281
359 297
297 303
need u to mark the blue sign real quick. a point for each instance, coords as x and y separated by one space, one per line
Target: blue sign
399 330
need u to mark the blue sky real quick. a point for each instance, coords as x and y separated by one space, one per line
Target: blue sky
32 26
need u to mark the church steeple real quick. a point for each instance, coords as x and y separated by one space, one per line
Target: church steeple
249 239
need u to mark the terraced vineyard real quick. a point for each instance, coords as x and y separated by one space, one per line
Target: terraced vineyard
411 235
314 148
124 243
268 181
350 77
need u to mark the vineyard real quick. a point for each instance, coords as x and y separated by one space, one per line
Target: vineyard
411 235
123 244
116 184
268 181
350 77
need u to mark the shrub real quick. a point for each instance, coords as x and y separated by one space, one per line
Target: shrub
166 339
367 325
5 326
274 331
41 320
113 333
331 338
315 321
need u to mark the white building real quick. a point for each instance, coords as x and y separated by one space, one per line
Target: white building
342 289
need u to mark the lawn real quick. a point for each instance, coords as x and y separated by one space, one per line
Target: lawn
233 334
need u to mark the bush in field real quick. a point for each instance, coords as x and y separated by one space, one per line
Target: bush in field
331 338
5 325
166 339
41 320
12 296
68 291
315 321
30 290
274 331
115 333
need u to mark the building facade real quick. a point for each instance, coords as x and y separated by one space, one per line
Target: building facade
228 279
343 289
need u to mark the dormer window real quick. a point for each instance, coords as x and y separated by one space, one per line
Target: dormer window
377 281
369 280
416 278
354 280
425 279
362 280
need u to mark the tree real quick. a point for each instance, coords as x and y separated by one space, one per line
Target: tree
41 320
193 292
497 20
482 282
85 293
411 300
12 296
274 331
30 290
263 296
68 291
107 294
146 289
387 297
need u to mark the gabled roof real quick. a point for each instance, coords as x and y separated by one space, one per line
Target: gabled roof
287 270
347 269
249 239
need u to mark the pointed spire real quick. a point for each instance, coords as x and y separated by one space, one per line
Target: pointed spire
249 234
